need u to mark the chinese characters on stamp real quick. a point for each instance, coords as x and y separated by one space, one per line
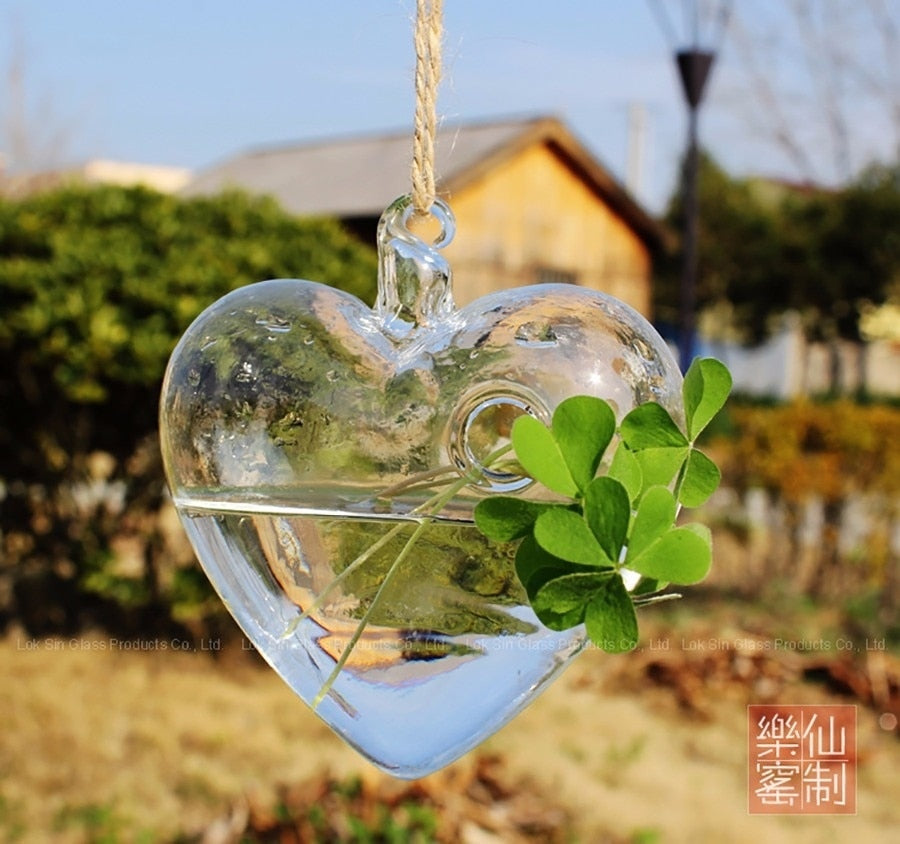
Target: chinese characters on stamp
802 759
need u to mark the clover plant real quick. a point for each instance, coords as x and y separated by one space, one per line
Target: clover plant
610 542
576 558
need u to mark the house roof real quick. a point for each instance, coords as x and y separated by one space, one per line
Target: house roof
360 177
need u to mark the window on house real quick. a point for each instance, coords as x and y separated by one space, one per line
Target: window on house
555 275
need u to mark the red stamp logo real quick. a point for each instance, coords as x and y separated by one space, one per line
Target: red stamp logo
801 760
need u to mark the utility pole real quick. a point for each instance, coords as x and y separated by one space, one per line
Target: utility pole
694 64
637 134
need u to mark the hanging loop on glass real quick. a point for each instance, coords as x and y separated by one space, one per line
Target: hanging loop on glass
413 277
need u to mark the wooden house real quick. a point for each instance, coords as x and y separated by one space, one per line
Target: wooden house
532 204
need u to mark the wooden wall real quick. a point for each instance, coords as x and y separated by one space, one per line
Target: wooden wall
532 218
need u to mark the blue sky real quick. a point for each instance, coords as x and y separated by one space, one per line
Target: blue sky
190 82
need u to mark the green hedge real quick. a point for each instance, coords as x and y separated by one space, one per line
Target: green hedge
826 449
96 286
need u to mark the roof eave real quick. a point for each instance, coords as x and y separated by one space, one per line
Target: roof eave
551 131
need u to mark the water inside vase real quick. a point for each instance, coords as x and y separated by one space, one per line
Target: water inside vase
451 650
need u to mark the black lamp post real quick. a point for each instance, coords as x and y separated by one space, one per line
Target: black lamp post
694 66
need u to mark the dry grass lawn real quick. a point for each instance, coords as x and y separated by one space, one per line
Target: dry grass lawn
100 743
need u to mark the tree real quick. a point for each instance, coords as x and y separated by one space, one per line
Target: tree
864 245
819 85
840 255
737 244
97 285
767 247
860 248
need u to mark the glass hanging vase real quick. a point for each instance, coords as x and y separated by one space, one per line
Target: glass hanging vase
307 438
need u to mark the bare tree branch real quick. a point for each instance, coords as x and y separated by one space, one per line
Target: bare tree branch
779 127
811 71
889 88
33 138
826 61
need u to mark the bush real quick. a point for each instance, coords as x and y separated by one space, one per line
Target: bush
97 285
829 449
831 471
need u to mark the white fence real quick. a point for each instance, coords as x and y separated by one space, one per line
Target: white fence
786 366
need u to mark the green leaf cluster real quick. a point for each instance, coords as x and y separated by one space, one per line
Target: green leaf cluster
767 247
572 555
98 283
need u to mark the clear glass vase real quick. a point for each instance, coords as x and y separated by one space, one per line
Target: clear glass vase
326 458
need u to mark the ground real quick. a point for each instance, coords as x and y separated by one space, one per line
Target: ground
105 743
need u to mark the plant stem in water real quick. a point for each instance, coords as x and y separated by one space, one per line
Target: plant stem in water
364 621
352 567
414 481
433 507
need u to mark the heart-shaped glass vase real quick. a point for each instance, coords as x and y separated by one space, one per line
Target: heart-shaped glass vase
306 435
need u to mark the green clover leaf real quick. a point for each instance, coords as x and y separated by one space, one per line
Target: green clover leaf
706 386
539 455
649 425
700 480
504 518
680 555
565 457
655 515
534 566
583 427
660 466
626 469
610 619
564 533
561 603
600 601
607 511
